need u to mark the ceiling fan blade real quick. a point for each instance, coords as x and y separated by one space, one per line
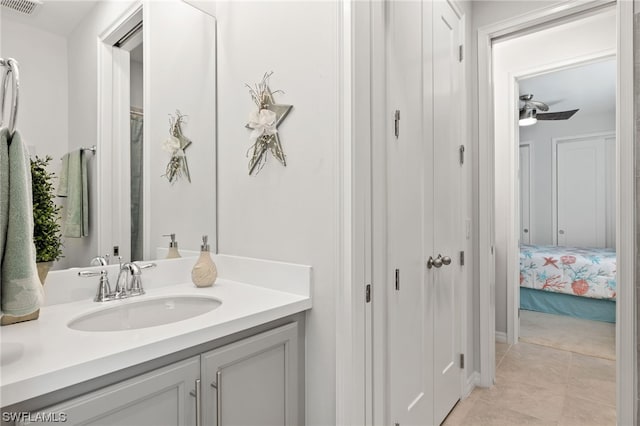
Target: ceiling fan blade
561 115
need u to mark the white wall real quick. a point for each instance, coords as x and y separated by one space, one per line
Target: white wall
43 108
285 213
540 136
518 57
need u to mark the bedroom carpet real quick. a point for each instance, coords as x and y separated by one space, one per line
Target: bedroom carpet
539 385
593 338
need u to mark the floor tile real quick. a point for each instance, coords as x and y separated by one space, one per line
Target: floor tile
501 350
543 402
593 379
580 412
539 385
594 338
485 413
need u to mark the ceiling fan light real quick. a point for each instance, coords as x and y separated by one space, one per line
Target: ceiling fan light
527 117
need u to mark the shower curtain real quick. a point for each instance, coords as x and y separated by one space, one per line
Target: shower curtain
136 187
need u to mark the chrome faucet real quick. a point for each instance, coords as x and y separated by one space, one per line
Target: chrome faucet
129 282
104 289
100 261
130 279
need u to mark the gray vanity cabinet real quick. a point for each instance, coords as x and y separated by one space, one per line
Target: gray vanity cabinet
255 377
160 397
254 381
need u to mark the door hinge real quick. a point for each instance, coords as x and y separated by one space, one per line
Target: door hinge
462 258
460 53
461 154
461 360
368 293
397 279
396 123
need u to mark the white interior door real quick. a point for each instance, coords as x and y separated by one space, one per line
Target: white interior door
524 176
424 211
447 221
409 156
580 192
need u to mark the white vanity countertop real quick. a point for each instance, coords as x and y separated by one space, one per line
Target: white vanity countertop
42 356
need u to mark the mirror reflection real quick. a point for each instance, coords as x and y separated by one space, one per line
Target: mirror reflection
118 96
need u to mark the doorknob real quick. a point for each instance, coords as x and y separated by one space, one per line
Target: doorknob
526 231
431 262
438 261
561 232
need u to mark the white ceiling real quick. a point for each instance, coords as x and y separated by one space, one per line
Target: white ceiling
590 87
58 17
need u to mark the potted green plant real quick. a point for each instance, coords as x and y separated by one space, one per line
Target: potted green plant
46 215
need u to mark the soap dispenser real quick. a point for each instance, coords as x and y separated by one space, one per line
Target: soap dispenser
204 272
173 247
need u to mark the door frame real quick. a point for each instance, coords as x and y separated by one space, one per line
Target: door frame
626 350
513 232
113 96
554 174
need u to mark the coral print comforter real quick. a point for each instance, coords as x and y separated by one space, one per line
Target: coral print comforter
582 272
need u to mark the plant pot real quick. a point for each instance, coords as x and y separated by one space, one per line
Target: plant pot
43 270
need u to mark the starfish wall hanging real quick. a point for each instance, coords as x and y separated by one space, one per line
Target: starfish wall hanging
176 145
264 124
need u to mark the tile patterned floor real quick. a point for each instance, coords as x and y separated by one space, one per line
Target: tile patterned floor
539 385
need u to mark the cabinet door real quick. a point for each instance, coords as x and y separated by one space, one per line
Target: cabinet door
253 381
161 397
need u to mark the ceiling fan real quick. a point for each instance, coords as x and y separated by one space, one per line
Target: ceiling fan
529 112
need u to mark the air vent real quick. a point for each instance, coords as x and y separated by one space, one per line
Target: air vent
26 7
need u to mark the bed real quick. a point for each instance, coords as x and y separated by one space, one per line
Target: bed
579 282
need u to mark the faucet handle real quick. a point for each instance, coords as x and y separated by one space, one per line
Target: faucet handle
99 261
136 280
104 289
146 265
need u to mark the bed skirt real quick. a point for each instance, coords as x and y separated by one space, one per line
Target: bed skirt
566 304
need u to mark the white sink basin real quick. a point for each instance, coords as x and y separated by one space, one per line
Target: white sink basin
130 315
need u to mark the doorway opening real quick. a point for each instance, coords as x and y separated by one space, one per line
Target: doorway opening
503 216
566 182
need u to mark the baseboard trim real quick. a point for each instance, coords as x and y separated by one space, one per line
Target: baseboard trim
501 337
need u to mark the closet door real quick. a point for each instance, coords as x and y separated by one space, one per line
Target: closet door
409 157
446 220
424 205
581 196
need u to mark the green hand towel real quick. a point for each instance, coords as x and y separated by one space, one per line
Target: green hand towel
20 290
73 185
4 195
